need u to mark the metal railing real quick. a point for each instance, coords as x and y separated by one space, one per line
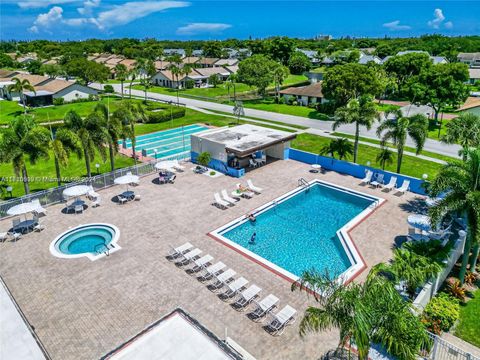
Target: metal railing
101 181
440 349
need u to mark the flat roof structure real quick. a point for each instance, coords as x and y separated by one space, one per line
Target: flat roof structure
176 336
246 139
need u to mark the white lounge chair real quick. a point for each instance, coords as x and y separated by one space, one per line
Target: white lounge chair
97 202
391 184
179 250
405 187
222 204
201 263
264 306
227 198
212 270
78 209
254 188
378 182
222 279
281 319
39 210
188 257
247 296
234 287
367 178
39 227
245 193
16 236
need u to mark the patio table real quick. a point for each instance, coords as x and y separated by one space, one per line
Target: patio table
24 226
129 195
316 168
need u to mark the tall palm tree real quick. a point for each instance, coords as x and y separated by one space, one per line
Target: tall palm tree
121 73
385 157
176 70
19 86
146 85
63 143
23 140
361 112
363 313
340 146
280 72
460 181
233 80
397 129
113 128
132 74
92 134
463 130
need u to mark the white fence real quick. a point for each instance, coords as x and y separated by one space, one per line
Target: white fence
441 349
102 181
431 287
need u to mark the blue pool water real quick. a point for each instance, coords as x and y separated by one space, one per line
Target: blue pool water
88 239
167 143
299 233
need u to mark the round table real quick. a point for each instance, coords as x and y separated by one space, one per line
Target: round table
316 168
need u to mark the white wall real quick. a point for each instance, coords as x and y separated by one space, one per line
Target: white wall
277 151
74 92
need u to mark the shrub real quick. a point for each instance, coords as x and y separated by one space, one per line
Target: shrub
441 313
212 173
456 289
204 158
58 101
294 103
165 115
327 108
470 278
108 89
189 84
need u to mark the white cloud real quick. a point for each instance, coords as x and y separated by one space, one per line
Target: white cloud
396 26
130 11
46 20
88 6
196 28
30 4
438 19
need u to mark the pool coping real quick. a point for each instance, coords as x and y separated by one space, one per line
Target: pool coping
356 259
114 243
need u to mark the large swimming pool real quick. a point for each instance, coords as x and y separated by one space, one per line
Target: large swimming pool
167 143
304 230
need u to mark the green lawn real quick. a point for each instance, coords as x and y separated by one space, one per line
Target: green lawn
468 327
411 166
10 109
268 104
407 148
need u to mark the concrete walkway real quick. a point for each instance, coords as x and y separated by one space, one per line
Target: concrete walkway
430 145
461 344
16 340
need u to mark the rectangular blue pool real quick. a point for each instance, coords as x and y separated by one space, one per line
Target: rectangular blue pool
167 143
303 230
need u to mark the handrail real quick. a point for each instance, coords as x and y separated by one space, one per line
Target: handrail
303 183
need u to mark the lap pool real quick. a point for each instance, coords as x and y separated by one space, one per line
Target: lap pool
304 229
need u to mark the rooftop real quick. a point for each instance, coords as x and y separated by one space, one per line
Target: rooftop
244 139
313 90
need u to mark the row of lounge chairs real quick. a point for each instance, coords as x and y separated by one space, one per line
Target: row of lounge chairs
225 200
377 181
219 277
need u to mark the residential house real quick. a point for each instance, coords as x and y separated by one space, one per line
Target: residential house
314 76
365 59
226 62
197 53
162 65
190 60
305 95
232 69
435 59
165 78
221 72
473 75
51 89
170 52
471 59
34 80
312 56
206 62
129 63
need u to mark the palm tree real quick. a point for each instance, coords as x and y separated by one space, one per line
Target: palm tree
363 313
62 143
398 128
19 86
121 73
233 80
176 70
113 128
132 74
385 157
146 85
460 181
92 135
340 146
361 112
463 130
280 72
21 140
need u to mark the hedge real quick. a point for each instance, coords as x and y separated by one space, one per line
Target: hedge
165 115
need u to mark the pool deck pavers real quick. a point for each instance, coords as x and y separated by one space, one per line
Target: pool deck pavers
82 309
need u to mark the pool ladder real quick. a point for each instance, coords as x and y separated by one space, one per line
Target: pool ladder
104 246
304 183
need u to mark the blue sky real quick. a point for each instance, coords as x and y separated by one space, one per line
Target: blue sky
202 19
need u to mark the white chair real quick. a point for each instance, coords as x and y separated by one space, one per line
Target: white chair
222 279
378 182
78 209
121 200
367 178
391 184
222 204
264 306
39 210
227 198
16 236
247 296
97 202
405 187
281 319
254 188
3 236
201 263
188 257
137 197
179 250
245 193
234 287
38 227
252 163
212 270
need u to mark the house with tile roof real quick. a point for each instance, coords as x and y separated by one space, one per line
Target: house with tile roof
304 95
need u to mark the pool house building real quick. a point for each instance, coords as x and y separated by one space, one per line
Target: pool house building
237 149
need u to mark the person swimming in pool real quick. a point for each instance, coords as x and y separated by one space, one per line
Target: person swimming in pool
251 217
252 239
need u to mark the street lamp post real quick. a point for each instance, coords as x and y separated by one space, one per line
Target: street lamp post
97 166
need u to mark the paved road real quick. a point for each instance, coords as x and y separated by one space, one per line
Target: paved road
430 145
